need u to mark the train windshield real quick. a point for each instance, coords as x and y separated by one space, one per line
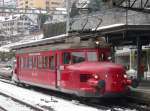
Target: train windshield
77 57
92 56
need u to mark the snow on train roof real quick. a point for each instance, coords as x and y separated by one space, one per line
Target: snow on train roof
39 42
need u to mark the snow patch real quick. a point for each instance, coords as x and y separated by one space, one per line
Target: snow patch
46 102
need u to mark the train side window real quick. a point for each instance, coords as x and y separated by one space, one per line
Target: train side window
21 62
66 58
34 61
45 62
25 62
30 62
39 61
51 62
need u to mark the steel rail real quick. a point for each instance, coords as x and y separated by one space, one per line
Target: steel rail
21 102
139 107
2 109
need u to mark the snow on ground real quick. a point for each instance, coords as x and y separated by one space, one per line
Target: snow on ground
39 99
11 105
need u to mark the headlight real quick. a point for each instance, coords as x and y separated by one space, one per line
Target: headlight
96 76
125 76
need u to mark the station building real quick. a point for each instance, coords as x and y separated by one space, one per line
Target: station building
16 24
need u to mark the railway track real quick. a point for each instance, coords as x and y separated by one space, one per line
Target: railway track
2 109
121 106
18 103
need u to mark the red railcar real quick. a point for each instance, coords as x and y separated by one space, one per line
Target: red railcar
79 69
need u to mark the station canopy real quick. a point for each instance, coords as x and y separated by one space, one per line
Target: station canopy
122 34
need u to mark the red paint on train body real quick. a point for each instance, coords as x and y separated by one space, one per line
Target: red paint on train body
85 72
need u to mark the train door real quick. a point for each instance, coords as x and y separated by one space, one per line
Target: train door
17 66
57 70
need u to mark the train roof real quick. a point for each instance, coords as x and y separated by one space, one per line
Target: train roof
60 42
46 41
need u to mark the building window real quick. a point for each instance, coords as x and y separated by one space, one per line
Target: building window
47 2
26 6
55 3
26 2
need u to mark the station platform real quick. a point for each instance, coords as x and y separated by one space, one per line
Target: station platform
141 93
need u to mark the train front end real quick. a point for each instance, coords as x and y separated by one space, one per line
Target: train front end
91 74
111 80
101 79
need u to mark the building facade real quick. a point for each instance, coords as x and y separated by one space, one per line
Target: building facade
8 3
30 4
42 4
16 24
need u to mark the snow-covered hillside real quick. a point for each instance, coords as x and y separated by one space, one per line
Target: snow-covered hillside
29 38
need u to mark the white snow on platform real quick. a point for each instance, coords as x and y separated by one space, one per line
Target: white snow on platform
39 99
